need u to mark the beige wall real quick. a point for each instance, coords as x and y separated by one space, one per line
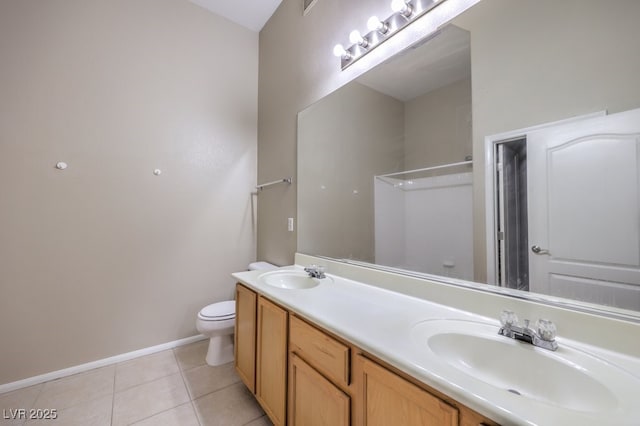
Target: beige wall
104 257
438 126
345 140
533 62
297 68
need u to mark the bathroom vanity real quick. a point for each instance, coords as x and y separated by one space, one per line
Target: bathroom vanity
368 347
302 373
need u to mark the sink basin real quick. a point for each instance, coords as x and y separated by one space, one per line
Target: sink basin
567 378
291 280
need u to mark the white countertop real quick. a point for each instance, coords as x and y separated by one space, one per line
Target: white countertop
380 321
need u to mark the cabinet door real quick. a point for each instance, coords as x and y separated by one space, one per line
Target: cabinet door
245 336
387 399
271 380
314 400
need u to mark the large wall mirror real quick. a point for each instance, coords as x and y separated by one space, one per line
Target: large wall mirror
501 150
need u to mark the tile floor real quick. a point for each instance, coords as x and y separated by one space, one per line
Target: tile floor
173 387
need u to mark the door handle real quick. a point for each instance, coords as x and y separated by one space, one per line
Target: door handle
538 250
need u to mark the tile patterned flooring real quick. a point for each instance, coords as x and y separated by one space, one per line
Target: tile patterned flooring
173 387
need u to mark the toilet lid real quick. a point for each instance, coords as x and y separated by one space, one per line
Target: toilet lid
219 311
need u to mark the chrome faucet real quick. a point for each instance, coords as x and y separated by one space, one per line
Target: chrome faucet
315 271
544 337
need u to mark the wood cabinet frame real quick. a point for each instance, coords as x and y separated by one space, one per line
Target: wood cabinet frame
244 348
271 360
320 355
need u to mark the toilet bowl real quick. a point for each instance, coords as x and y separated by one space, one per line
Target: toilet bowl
217 323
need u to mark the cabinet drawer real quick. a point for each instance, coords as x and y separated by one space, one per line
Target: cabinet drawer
319 350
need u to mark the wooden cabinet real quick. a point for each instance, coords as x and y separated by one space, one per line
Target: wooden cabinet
304 376
313 399
261 351
245 336
387 399
319 376
271 360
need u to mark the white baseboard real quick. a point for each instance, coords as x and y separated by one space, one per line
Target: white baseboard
8 387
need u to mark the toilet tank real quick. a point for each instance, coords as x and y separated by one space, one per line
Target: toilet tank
261 266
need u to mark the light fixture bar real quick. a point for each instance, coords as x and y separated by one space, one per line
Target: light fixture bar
404 13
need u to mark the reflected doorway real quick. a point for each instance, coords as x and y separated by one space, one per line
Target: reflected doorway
511 194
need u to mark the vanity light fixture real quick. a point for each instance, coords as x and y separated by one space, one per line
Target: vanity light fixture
404 12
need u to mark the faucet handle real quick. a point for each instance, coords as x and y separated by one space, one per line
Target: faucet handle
546 329
508 318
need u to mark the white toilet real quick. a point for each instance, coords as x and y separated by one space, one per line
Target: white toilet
217 322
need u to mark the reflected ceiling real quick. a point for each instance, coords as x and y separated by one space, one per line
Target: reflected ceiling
444 57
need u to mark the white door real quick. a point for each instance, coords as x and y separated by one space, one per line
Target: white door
584 210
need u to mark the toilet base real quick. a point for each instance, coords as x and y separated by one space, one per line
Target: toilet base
220 350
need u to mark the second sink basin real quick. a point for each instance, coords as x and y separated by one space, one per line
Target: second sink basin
291 280
567 378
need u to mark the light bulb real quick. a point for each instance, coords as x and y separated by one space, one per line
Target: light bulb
375 24
356 37
340 51
397 5
401 6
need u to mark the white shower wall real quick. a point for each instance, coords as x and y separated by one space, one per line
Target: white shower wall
425 224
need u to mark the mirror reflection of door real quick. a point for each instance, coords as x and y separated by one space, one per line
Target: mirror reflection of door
569 210
513 256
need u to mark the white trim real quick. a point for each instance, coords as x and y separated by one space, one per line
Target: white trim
490 175
433 182
426 169
8 387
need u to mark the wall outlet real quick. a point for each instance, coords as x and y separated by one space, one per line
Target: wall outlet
290 224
